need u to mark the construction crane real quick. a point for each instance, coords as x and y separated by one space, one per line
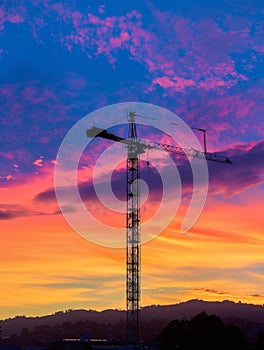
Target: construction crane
135 147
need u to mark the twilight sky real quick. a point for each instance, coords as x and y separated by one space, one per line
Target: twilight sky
60 61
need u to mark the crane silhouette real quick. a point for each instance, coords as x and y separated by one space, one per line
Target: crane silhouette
135 147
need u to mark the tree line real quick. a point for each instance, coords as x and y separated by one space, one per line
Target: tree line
201 332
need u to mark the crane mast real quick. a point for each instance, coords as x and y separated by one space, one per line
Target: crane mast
133 234
135 147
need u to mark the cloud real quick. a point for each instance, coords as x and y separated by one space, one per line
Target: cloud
7 215
46 196
14 15
88 193
9 211
176 83
197 53
207 275
257 295
180 53
247 170
212 291
7 177
13 211
38 162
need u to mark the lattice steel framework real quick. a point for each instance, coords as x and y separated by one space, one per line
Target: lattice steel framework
133 235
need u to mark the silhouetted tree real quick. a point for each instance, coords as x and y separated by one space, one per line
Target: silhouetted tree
202 332
172 335
235 338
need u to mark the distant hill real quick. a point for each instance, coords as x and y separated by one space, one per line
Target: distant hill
227 310
224 309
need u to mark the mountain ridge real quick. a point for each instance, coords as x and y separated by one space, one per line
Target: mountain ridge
185 310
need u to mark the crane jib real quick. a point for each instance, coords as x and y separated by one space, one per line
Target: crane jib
140 146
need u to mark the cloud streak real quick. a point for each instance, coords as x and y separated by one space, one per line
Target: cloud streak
12 211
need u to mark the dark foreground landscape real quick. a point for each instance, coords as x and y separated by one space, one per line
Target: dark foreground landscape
195 324
191 325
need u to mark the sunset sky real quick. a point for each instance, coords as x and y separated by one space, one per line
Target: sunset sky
61 60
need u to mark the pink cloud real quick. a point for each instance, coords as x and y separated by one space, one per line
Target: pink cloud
135 14
76 16
118 41
93 19
34 95
15 18
94 32
38 162
205 65
7 177
212 83
164 82
177 84
206 62
14 15
61 9
7 155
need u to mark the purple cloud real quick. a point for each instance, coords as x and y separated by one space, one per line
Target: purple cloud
248 167
247 170
13 211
